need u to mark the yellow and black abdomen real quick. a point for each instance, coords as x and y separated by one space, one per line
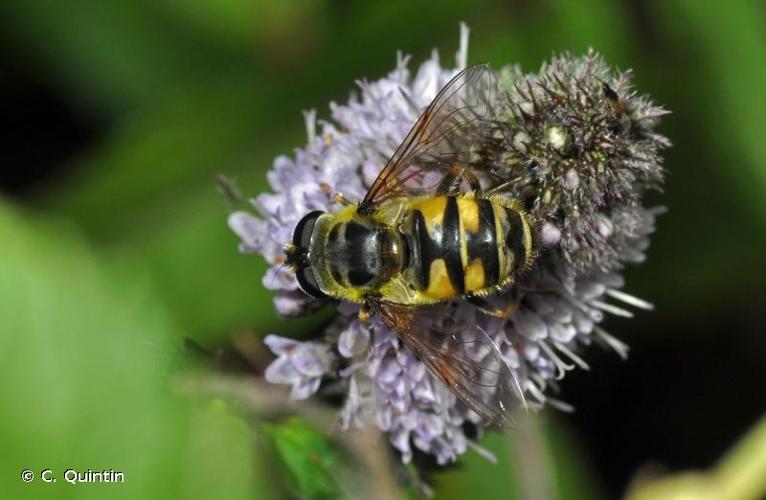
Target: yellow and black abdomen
466 245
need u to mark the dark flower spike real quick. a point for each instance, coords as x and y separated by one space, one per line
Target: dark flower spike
585 147
574 143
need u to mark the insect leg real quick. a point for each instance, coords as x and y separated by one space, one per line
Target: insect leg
487 308
450 180
230 190
341 200
499 188
364 313
455 175
473 181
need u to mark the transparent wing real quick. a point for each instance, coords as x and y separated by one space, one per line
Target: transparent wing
447 132
464 358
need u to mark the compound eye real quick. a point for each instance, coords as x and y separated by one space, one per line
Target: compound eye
308 283
302 233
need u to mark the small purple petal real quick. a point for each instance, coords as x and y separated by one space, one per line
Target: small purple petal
310 359
388 372
280 278
281 371
550 235
305 388
530 325
291 302
279 345
353 340
250 230
423 391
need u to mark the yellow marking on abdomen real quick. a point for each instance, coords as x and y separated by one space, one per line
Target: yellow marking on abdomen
501 222
432 210
469 214
474 276
439 284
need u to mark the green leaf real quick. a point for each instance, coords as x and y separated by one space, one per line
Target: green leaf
88 351
309 459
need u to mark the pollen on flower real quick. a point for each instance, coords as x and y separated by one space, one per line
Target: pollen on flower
578 149
556 137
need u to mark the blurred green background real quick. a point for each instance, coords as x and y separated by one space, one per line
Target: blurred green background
118 272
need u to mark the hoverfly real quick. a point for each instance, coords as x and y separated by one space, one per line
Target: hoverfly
404 248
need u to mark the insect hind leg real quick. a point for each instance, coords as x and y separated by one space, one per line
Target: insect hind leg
450 184
484 306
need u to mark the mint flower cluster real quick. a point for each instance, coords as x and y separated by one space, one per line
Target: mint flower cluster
575 144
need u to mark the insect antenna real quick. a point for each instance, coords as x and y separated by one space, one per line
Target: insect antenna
276 273
228 187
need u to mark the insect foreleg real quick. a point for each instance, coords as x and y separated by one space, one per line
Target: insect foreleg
341 200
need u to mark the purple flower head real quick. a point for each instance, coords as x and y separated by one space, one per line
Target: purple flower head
300 364
585 156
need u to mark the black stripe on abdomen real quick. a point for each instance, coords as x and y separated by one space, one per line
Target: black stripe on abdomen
514 238
483 245
445 244
451 244
423 248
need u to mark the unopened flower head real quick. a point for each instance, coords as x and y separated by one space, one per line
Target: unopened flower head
573 141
